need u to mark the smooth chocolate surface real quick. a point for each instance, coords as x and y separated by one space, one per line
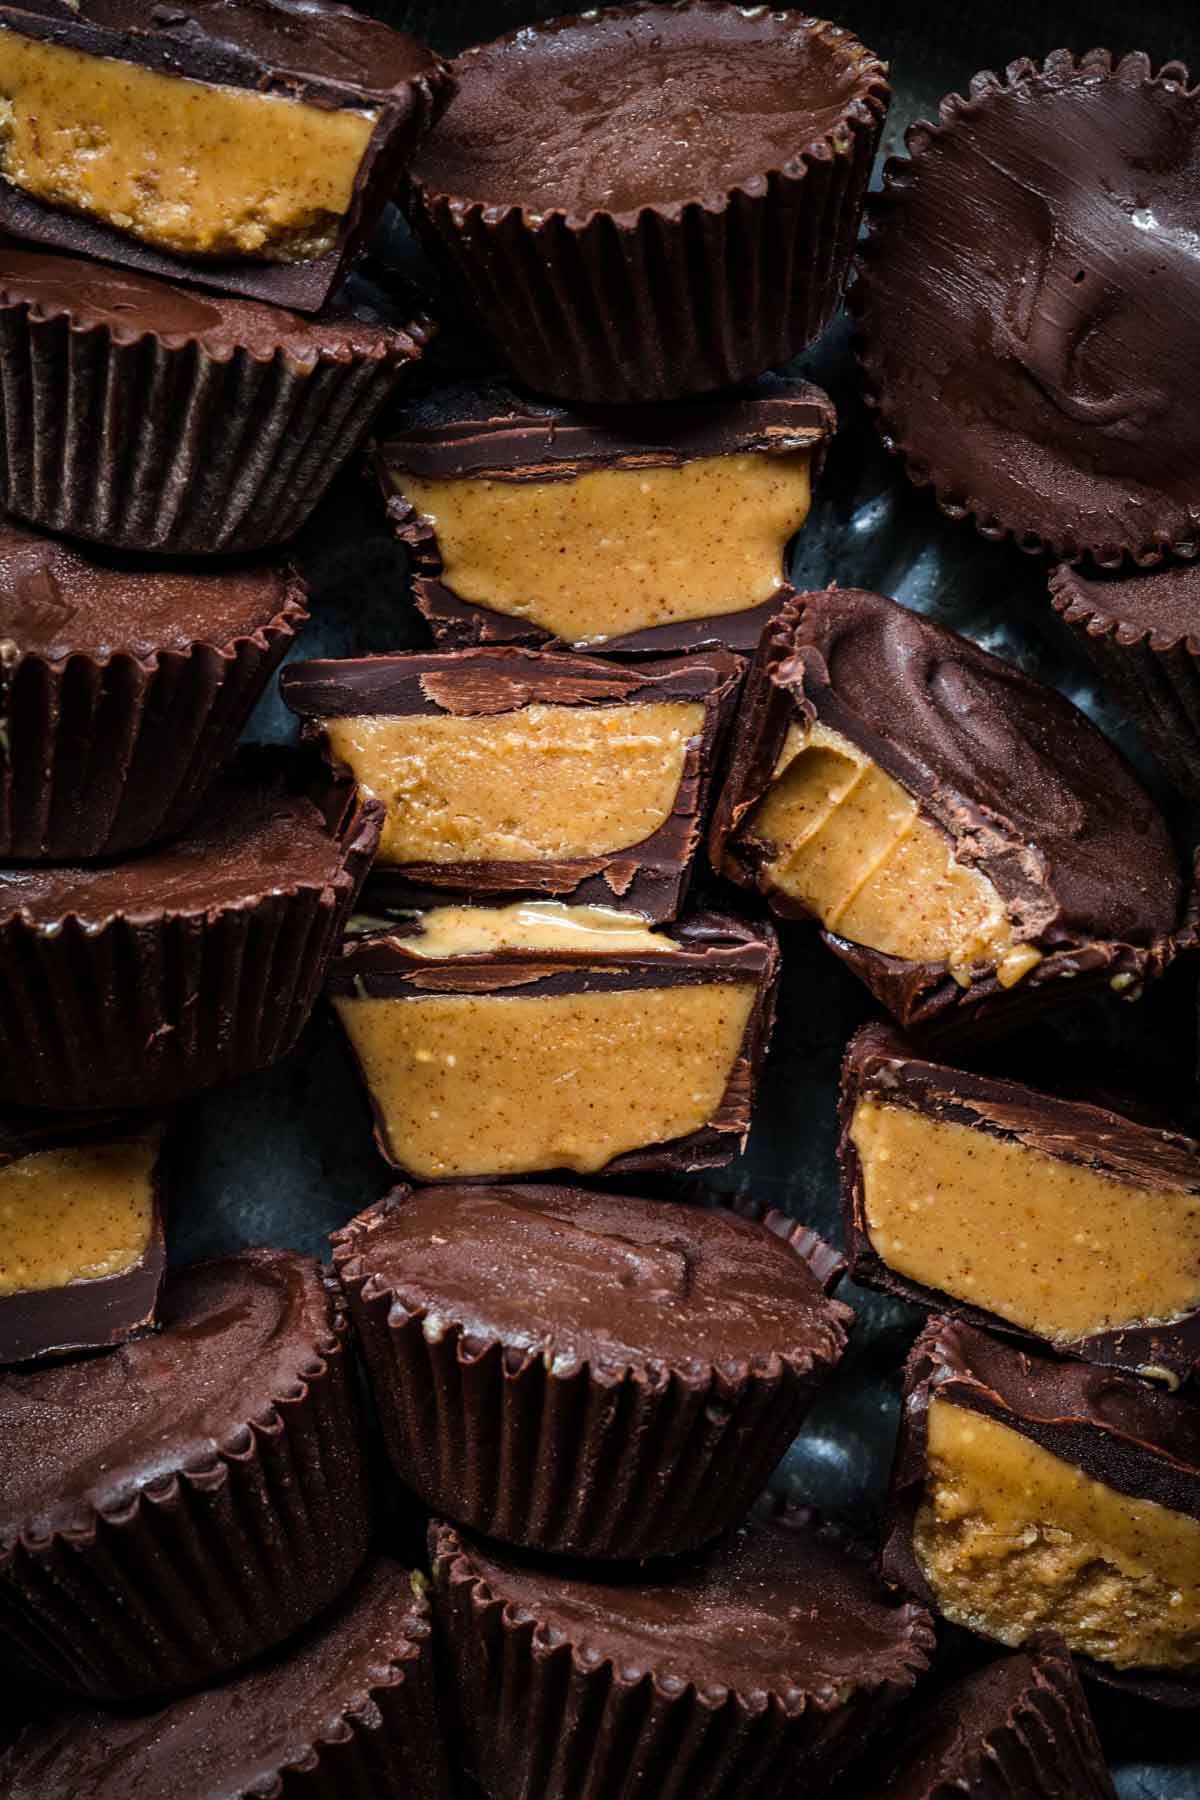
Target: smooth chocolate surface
1028 307
1163 607
82 1438
58 600
599 111
1018 780
1157 1166
605 1279
363 1670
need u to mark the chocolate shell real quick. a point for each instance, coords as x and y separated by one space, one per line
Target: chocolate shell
588 1374
649 878
326 55
1115 1429
224 421
750 1671
123 688
615 254
1019 781
491 431
1026 302
135 983
180 1505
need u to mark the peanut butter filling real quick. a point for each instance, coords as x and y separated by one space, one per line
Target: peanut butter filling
187 166
501 1084
619 550
850 843
543 782
530 925
1013 1539
74 1214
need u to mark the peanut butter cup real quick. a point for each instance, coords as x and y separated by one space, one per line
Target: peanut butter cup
587 1373
151 417
970 844
1027 306
181 1504
650 201
124 685
759 1668
134 983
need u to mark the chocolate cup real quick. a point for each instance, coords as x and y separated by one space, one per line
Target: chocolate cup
1153 672
682 297
1117 1430
108 754
205 1567
147 1009
152 442
878 1062
614 1464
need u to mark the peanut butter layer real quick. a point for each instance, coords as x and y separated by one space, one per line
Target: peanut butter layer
75 1214
531 925
1012 1539
499 1084
848 841
188 166
543 782
618 550
1056 1247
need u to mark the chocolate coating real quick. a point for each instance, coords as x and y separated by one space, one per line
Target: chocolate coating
601 111
1020 781
236 1334
1029 306
362 1674
1163 607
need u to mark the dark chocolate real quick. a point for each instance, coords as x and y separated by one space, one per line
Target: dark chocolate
1019 1729
649 878
325 54
710 947
90 1314
1020 781
1028 301
1117 1430
492 430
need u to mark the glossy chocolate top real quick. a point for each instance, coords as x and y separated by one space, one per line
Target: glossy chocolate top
1163 608
131 305
645 105
1052 812
253 836
58 599
306 39
777 1608
238 1334
1018 1727
235 1738
1030 307
595 1278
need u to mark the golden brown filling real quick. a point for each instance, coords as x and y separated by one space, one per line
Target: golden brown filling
849 842
1013 1539
530 925
619 550
500 1084
1060 1249
544 782
74 1214
185 165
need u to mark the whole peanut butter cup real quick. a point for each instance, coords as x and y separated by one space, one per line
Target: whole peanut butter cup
124 685
617 251
175 1507
587 1373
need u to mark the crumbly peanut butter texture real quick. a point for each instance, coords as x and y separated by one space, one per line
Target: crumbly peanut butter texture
504 1084
1013 1539
188 166
74 1214
849 842
542 782
613 551
1058 1248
